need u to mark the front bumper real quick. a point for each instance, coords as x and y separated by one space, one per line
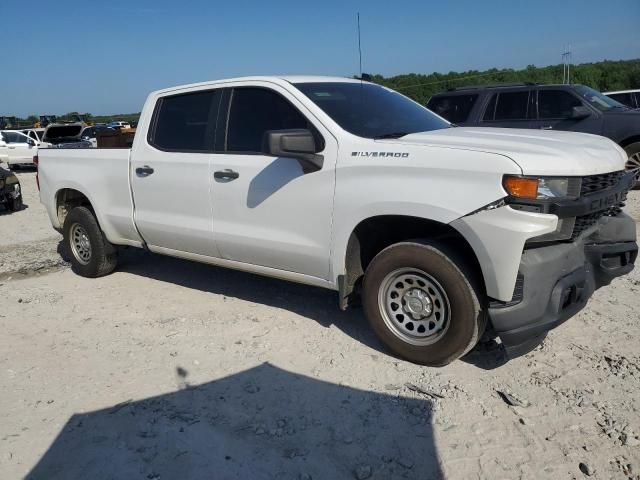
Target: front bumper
555 282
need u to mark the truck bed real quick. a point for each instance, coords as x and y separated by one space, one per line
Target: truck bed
101 175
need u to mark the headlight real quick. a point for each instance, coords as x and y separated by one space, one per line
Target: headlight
542 188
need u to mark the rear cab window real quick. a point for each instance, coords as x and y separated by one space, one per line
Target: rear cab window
186 122
455 108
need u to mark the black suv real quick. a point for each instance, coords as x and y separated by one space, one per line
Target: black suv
558 107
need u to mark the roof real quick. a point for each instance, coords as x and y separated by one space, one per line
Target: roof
622 91
264 78
507 85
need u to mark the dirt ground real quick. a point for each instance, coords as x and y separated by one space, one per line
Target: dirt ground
168 369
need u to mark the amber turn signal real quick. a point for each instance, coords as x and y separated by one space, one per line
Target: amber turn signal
521 187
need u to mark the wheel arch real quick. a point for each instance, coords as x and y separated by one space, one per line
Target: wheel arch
628 141
373 234
68 198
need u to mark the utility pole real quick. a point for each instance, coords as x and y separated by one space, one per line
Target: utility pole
566 65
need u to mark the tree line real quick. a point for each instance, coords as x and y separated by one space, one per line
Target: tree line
602 76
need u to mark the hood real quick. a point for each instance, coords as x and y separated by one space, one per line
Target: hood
62 131
536 152
629 113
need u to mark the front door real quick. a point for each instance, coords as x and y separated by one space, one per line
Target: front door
170 174
555 107
267 210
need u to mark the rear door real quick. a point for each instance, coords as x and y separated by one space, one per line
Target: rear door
268 211
170 173
509 109
554 109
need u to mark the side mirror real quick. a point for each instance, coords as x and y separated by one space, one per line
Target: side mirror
299 144
31 142
578 113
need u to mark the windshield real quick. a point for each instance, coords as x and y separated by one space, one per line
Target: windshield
371 111
596 99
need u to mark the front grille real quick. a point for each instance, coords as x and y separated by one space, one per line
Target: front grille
584 222
597 183
594 184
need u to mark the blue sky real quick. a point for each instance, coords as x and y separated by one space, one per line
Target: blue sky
105 57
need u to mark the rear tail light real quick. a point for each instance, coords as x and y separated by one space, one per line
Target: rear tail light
35 162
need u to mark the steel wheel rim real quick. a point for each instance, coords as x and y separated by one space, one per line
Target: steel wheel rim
80 244
634 161
414 306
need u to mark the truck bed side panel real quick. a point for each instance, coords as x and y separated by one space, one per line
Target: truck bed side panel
102 176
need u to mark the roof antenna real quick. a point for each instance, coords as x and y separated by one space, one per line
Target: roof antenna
363 76
359 46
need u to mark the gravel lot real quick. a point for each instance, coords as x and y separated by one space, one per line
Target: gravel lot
168 369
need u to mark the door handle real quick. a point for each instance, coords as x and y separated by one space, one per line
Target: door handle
144 171
227 174
547 127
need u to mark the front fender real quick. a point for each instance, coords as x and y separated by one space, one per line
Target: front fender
497 237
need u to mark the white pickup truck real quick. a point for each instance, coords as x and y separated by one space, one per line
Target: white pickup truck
351 186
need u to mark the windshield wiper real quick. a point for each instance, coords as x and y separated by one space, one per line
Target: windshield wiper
390 135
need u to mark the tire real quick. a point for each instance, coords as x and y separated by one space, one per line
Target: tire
633 152
15 204
89 251
437 277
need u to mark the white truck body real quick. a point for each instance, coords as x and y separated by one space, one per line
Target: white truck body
277 219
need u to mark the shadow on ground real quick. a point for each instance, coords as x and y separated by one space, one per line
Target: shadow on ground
314 303
263 423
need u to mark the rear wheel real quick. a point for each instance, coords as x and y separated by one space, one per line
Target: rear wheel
421 301
90 252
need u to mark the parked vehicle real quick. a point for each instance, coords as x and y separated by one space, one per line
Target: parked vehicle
89 133
351 186
10 192
630 98
545 107
119 125
65 135
16 148
35 134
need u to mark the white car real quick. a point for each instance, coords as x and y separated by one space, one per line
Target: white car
351 186
16 148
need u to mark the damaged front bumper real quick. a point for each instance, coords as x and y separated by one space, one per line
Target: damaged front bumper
556 281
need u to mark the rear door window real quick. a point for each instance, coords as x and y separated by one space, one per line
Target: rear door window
455 108
186 123
556 104
512 106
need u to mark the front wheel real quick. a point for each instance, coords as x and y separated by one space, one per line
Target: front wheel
633 162
422 302
90 252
